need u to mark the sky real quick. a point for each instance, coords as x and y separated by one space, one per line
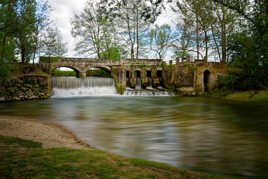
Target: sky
64 10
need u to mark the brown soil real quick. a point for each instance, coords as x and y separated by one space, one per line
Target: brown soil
49 134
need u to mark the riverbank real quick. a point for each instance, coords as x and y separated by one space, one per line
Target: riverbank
49 134
30 149
247 96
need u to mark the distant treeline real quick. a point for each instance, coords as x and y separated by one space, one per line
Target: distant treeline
96 73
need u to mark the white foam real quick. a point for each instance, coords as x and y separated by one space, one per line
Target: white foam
68 87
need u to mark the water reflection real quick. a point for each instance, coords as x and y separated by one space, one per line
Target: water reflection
211 135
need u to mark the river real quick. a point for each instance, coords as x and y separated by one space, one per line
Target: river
204 134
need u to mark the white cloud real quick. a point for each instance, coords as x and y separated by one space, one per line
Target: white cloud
62 13
167 17
64 10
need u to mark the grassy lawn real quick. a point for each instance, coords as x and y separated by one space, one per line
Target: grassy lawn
249 96
26 159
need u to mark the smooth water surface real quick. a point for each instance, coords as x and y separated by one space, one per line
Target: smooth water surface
196 133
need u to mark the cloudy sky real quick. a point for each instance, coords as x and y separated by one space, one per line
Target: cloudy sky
64 10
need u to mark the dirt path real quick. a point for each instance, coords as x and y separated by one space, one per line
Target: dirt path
50 135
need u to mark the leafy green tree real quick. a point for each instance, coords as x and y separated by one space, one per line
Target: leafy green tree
95 32
20 23
113 53
161 38
248 48
52 44
133 19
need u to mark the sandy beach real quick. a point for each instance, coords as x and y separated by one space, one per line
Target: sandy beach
49 134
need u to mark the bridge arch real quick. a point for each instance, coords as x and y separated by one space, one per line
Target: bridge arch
105 68
206 80
98 71
75 69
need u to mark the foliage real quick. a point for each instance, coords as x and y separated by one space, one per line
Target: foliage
97 34
249 52
113 53
132 19
160 39
20 23
51 43
4 70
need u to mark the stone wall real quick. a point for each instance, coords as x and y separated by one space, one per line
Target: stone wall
183 77
189 78
215 71
26 82
119 76
179 77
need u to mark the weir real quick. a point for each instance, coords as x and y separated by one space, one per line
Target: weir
132 75
95 86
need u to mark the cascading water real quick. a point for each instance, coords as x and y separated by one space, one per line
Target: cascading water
64 87
138 83
77 87
145 92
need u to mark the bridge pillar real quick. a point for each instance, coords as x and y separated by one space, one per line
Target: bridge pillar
155 79
82 75
132 79
144 79
119 75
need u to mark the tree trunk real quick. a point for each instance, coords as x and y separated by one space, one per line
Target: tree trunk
223 36
197 37
216 43
137 34
206 44
130 38
22 55
3 49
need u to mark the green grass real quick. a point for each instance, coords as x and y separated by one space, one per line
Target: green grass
26 159
249 96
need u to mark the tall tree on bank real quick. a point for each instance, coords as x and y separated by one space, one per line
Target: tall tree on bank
190 11
52 44
21 22
213 23
133 17
184 44
248 47
96 33
7 21
160 39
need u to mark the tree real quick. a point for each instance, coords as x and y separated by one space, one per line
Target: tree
52 44
134 18
184 43
7 22
95 32
248 48
113 54
161 37
21 22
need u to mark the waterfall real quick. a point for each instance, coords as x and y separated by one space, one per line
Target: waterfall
77 87
150 83
146 92
138 83
64 87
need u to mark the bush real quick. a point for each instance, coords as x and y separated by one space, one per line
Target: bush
249 53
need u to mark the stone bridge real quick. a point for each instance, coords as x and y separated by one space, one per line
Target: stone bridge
123 71
82 65
190 78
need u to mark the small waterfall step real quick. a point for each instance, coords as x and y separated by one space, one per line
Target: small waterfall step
146 92
68 87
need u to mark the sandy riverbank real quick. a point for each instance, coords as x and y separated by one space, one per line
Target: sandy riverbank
49 134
